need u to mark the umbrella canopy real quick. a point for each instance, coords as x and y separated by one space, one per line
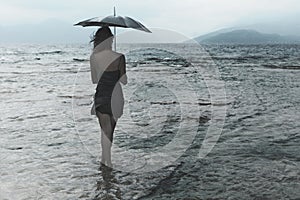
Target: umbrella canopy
117 21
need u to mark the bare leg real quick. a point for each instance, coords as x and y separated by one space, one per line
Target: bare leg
107 128
113 122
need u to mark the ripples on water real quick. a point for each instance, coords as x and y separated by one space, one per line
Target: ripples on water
50 145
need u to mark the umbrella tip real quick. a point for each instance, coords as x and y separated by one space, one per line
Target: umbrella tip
77 24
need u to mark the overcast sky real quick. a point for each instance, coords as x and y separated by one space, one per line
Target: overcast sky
189 17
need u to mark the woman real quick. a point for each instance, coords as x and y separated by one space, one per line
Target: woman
108 70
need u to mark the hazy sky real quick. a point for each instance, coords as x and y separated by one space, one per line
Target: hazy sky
190 17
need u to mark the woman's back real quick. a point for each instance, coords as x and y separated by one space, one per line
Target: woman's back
105 60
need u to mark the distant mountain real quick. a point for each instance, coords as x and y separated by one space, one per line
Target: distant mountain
55 31
50 31
245 36
212 34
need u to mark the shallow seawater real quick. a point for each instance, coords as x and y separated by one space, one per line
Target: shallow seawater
200 122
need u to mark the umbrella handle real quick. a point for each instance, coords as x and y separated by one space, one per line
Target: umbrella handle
115 32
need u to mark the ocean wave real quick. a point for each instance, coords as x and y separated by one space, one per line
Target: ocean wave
50 52
281 66
80 59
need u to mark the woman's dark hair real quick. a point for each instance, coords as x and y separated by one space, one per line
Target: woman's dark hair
101 35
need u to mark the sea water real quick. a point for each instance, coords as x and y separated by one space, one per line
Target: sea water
199 122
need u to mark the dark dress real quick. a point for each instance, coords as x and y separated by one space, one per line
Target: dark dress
109 96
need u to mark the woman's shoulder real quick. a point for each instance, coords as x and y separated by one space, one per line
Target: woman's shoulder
107 54
118 54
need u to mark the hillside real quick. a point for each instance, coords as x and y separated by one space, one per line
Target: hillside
245 36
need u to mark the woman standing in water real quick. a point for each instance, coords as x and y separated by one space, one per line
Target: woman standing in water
108 69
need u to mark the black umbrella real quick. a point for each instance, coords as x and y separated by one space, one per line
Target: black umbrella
115 21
